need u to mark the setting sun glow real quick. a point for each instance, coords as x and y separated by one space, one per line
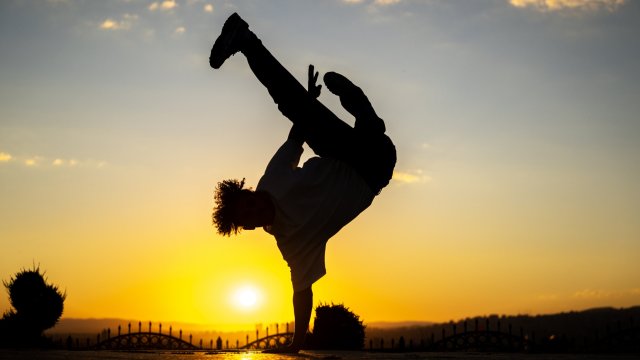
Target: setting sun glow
246 297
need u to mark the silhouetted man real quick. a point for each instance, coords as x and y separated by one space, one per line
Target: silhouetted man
303 207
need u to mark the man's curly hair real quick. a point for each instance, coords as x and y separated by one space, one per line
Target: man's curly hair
226 193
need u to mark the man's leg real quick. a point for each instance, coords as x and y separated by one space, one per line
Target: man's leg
325 133
373 155
365 147
355 102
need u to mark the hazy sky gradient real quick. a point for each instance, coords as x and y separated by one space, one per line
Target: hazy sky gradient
517 187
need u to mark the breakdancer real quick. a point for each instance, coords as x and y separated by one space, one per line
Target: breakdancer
303 207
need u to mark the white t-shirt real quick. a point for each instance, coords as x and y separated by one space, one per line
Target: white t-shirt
312 203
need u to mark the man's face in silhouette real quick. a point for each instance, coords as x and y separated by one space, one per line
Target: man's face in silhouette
253 209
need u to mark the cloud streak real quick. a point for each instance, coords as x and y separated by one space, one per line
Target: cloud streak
413 177
591 294
124 23
559 5
43 162
163 5
375 2
5 157
386 2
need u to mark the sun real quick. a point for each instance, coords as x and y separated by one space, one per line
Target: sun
246 297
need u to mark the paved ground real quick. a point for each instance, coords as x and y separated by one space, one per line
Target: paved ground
112 355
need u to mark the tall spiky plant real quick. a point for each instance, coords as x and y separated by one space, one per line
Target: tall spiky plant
37 305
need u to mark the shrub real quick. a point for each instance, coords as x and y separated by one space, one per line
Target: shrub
335 327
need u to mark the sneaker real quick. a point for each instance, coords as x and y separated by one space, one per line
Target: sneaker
229 41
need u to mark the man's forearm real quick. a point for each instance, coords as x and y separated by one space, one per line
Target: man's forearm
302 306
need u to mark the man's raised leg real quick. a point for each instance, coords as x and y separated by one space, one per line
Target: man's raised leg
325 133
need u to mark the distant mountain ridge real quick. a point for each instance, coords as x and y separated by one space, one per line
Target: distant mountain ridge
591 316
397 324
575 325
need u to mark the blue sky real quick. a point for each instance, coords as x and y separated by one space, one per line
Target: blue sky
516 124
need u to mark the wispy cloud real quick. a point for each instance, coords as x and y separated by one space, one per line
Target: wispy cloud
34 161
386 2
163 5
124 23
65 162
558 5
605 294
375 2
590 295
180 30
5 157
412 177
58 2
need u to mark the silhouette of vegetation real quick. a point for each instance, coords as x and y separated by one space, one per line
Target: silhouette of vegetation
37 306
601 330
335 327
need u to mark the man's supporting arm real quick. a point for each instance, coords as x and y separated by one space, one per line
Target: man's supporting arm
302 306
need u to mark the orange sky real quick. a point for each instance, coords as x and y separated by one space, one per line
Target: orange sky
516 188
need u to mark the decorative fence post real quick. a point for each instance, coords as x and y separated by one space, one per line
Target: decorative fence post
160 328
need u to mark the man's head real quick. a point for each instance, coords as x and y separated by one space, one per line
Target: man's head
239 208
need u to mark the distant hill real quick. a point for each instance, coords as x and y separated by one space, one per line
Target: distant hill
592 318
566 331
575 328
396 324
